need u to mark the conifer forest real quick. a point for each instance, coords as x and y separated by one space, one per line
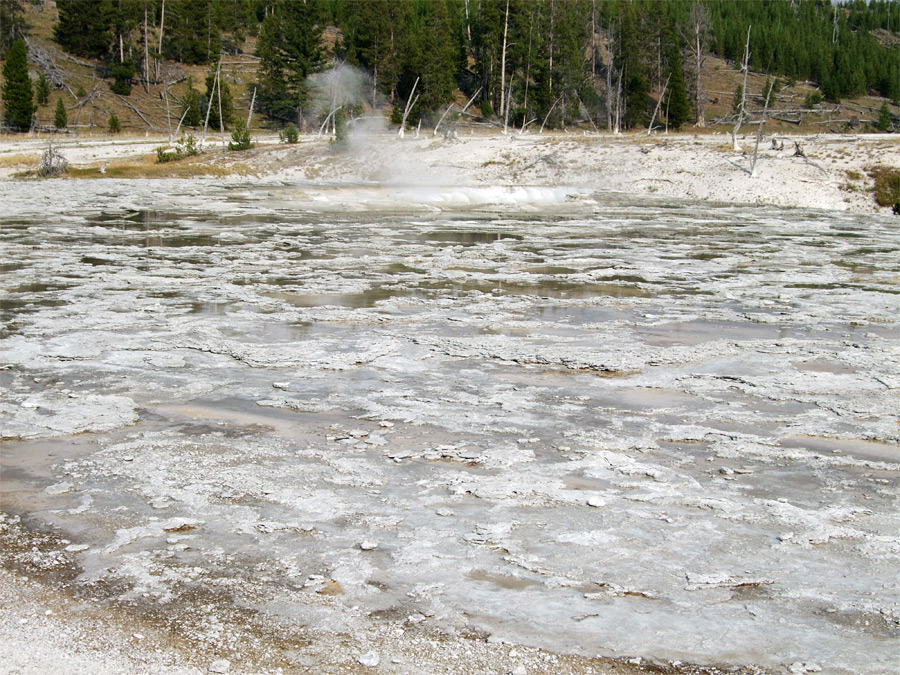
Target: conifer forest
522 62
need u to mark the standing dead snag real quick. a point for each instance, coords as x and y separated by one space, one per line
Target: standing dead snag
762 121
410 102
662 95
742 106
696 38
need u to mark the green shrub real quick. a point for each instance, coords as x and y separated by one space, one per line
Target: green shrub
289 135
813 99
114 125
186 146
887 185
240 138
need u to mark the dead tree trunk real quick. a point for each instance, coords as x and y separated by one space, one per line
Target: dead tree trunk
146 55
162 18
659 103
410 102
740 120
762 121
503 102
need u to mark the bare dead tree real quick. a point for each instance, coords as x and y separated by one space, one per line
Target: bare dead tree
762 121
503 102
742 105
410 102
696 35
662 95
162 20
146 55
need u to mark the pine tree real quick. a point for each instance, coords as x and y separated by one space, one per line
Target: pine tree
42 90
884 118
85 27
191 109
11 19
122 72
677 104
18 100
60 118
288 49
738 99
114 124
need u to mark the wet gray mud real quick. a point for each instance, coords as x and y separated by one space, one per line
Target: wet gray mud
273 418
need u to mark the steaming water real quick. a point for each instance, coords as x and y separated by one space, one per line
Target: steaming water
568 420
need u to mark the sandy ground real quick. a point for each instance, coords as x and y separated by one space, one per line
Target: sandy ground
831 175
43 632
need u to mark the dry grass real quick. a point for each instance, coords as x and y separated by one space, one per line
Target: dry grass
19 160
887 184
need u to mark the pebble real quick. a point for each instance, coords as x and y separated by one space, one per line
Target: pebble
220 666
369 659
75 548
368 545
445 512
596 502
519 670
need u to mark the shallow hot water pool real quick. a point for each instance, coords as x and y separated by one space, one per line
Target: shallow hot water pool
573 421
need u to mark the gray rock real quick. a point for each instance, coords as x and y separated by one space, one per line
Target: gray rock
369 659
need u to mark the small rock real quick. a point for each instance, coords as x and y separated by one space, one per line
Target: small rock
220 666
331 588
181 524
596 502
75 548
59 488
445 512
519 670
369 659
128 458
386 425
281 385
725 471
368 545
415 618
137 636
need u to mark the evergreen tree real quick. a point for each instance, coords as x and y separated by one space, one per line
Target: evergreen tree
122 72
677 105
191 109
10 22
18 100
738 99
288 49
84 27
884 118
636 88
60 118
193 36
212 98
42 90
114 124
439 57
